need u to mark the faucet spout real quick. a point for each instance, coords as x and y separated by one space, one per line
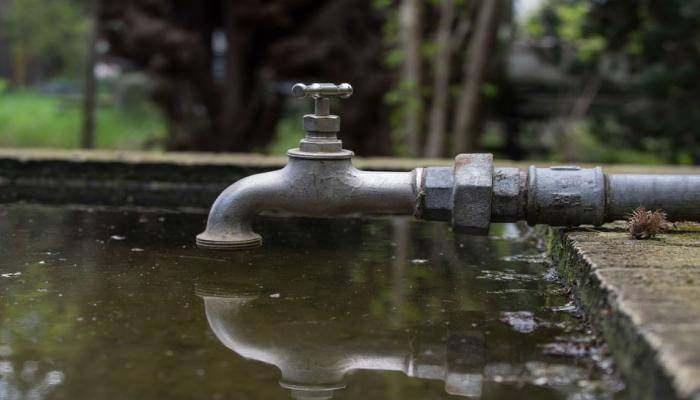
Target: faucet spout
229 226
306 187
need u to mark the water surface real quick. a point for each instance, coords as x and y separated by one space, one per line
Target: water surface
119 304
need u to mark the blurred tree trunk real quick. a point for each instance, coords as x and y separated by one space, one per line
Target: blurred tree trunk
410 39
584 101
481 47
249 110
5 59
268 45
90 83
570 149
508 99
437 129
20 67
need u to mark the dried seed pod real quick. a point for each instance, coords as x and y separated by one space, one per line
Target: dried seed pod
645 224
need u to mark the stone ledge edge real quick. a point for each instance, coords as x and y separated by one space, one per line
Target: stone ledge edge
636 360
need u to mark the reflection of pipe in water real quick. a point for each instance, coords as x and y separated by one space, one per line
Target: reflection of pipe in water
314 356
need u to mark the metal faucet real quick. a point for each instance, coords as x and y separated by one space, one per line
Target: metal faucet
320 181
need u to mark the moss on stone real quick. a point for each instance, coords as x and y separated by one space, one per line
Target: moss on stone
644 297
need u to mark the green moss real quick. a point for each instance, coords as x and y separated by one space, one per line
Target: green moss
688 226
635 359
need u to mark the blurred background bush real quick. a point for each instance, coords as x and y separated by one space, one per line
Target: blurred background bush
561 80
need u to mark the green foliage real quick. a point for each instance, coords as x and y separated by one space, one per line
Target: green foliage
658 42
571 17
381 4
405 97
578 142
55 31
288 132
591 47
489 90
566 22
660 38
393 58
28 119
429 49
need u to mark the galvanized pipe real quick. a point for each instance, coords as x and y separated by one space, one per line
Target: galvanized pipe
567 196
677 195
561 196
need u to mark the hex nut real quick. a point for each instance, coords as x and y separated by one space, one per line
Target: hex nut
326 146
437 193
473 186
316 123
508 200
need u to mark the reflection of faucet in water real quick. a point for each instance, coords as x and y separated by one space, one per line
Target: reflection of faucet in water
314 354
39 385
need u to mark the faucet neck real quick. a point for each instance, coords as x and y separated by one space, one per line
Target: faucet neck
321 139
322 127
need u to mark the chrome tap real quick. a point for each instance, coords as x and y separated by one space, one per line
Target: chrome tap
320 181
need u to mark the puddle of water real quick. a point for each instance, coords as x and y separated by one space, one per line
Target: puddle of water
115 304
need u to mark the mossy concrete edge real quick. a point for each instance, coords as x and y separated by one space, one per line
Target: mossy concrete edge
637 359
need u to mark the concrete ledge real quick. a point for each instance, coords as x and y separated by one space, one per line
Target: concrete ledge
644 297
165 179
139 178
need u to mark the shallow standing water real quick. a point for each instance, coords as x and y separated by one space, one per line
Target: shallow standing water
114 304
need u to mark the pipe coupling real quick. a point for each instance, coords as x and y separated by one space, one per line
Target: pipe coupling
474 193
565 196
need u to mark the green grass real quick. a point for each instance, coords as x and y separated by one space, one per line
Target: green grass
30 119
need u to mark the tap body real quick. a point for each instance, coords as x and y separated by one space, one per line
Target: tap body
306 187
